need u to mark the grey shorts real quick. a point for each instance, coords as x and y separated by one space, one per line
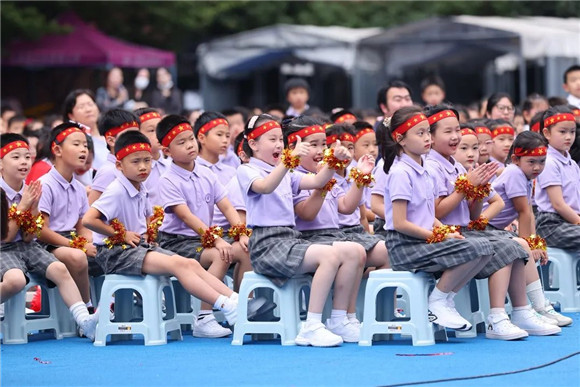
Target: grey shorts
29 257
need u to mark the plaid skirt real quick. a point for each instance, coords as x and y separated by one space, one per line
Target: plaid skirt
379 227
358 235
557 231
277 252
127 261
29 257
505 249
326 236
413 254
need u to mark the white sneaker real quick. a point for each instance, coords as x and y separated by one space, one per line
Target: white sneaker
315 333
499 327
441 314
355 322
548 312
531 322
89 326
346 329
209 327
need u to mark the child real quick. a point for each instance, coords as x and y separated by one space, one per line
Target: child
118 219
502 134
20 253
558 187
189 193
112 124
433 90
63 204
317 211
484 141
297 94
533 104
16 124
240 146
85 173
236 119
276 248
410 219
536 120
343 116
149 119
572 85
455 205
514 185
365 142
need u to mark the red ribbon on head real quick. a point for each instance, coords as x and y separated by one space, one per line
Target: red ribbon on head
362 133
212 124
305 132
502 130
345 117
483 130
535 127
539 151
441 115
176 130
240 147
262 129
12 146
576 112
560 117
405 126
67 132
468 131
138 147
343 137
113 132
149 116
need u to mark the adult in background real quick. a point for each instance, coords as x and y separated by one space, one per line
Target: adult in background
140 96
166 96
114 94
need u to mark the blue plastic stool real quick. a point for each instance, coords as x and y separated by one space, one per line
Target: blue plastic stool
288 308
464 303
564 288
417 325
17 324
154 327
187 306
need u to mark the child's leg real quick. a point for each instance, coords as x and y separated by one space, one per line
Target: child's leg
13 281
210 259
482 261
78 266
457 276
517 284
243 264
357 253
498 284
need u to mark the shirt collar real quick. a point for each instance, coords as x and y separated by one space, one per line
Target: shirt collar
404 158
131 190
60 179
566 160
449 166
261 164
10 193
184 173
111 157
219 165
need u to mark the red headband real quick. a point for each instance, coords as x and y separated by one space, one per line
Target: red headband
402 129
576 112
467 131
441 115
212 124
483 130
305 132
362 133
535 127
174 132
343 137
345 117
67 132
115 131
11 146
540 151
558 118
502 130
149 116
138 147
262 129
240 147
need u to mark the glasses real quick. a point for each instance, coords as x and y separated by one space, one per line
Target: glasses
505 108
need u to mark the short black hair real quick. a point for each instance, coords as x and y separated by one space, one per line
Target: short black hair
495 98
71 100
297 124
557 101
382 94
432 110
552 111
144 110
16 118
570 70
167 123
296 83
7 138
204 118
129 138
433 80
527 140
61 128
114 118
237 110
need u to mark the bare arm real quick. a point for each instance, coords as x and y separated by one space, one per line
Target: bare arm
378 205
403 226
308 209
557 200
496 204
229 211
526 226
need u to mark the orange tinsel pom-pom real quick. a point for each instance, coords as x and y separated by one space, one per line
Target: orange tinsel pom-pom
333 162
235 232
440 232
361 179
470 191
328 187
155 223
209 236
478 224
26 222
119 237
290 161
78 242
536 242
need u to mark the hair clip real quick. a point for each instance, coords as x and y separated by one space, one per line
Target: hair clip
387 122
252 122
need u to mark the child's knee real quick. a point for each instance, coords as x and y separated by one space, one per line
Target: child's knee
57 271
78 261
13 281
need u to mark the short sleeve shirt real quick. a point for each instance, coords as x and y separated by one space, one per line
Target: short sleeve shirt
512 183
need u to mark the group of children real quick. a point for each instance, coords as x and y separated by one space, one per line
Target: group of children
293 197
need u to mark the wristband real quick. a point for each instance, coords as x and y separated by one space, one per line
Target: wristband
235 232
289 161
118 237
441 232
361 179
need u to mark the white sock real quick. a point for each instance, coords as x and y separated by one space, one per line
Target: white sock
80 312
451 295
234 297
351 317
536 295
313 317
519 309
496 310
220 302
203 313
437 296
337 316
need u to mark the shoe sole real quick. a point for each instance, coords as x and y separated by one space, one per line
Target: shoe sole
506 338
559 322
306 343
433 319
210 337
543 332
